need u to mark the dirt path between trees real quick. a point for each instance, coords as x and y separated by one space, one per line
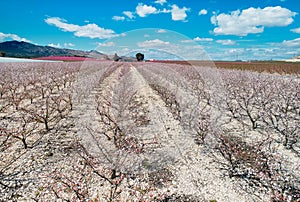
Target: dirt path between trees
195 172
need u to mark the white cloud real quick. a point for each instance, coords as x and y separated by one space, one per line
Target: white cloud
235 52
202 12
54 45
58 45
165 11
161 31
161 2
291 43
203 39
129 14
187 41
265 52
144 10
197 39
251 20
69 45
108 44
226 42
296 30
89 30
118 18
179 14
12 37
146 35
152 43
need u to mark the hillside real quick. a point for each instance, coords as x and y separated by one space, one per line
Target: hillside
28 50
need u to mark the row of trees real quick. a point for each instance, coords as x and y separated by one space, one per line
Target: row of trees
253 101
37 100
34 98
247 119
111 148
246 122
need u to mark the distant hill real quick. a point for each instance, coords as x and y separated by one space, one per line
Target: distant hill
27 50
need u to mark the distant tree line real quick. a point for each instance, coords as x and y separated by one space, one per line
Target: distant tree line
139 57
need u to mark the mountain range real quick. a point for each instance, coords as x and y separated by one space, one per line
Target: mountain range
21 49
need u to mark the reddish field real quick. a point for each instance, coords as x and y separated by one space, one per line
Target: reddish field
66 58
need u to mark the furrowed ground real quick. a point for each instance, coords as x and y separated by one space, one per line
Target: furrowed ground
113 131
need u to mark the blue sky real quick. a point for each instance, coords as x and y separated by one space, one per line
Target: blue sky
164 29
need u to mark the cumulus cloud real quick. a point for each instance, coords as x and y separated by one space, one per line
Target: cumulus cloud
179 14
296 30
197 39
164 10
69 45
251 20
291 43
143 10
161 2
58 45
187 41
92 31
153 43
4 36
235 53
202 12
226 42
161 31
129 14
203 39
54 45
118 18
108 44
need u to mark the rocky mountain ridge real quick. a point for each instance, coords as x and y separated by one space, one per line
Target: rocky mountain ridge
27 50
